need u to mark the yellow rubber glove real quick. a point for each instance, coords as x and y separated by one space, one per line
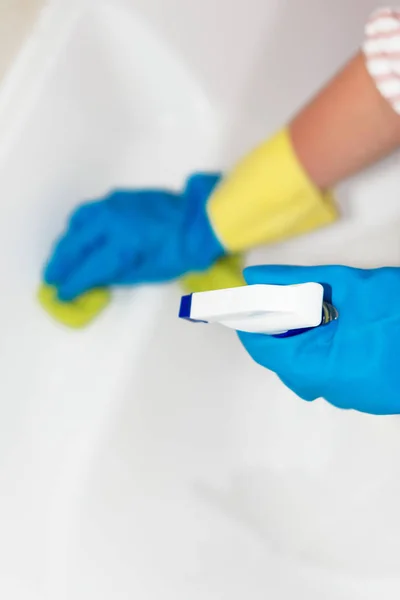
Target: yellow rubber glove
268 197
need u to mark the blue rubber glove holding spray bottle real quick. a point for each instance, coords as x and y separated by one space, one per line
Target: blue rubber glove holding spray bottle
353 362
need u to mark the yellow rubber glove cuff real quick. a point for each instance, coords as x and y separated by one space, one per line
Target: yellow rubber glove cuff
77 313
268 197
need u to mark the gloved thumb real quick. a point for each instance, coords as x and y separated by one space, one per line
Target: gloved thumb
201 185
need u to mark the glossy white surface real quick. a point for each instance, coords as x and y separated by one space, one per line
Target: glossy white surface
145 457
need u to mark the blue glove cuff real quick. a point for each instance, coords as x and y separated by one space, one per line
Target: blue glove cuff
202 247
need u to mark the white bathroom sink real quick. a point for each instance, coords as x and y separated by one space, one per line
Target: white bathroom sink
147 457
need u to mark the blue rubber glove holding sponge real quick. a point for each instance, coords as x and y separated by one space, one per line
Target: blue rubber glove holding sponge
133 237
142 236
129 237
353 362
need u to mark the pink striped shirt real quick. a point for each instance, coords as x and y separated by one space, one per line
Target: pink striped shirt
382 52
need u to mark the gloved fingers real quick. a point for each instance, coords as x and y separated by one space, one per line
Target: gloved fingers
302 357
144 269
72 248
98 269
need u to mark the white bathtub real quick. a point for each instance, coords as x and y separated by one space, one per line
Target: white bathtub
144 457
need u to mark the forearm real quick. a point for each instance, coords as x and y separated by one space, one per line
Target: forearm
282 188
348 126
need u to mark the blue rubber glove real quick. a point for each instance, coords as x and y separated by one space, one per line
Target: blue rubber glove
133 237
353 362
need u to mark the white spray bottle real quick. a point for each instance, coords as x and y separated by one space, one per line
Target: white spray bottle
281 310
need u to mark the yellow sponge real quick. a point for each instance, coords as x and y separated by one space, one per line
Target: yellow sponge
77 313
226 273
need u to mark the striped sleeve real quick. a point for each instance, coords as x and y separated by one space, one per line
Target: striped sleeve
382 52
